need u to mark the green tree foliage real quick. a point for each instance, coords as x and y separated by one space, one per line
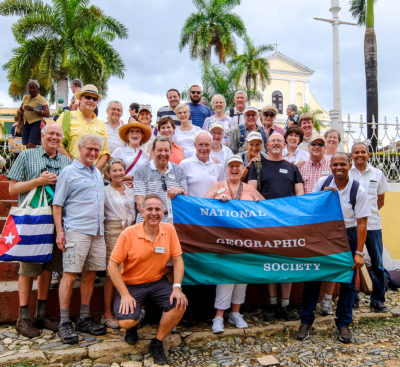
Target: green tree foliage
252 68
213 26
61 40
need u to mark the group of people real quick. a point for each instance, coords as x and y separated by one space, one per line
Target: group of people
113 185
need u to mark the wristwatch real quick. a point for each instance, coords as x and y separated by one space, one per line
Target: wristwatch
360 253
177 285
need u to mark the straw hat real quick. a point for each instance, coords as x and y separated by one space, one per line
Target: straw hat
123 131
88 88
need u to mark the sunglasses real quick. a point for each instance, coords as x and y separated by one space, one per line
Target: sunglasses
314 144
91 98
269 114
195 92
164 184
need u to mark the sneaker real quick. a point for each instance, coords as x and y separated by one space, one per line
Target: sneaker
288 314
378 307
67 333
218 325
271 312
344 334
111 323
156 350
236 319
356 304
46 323
88 325
304 332
326 308
26 328
131 335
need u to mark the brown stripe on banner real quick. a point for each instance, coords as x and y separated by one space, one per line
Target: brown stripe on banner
308 240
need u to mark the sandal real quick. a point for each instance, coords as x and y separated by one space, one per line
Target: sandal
110 322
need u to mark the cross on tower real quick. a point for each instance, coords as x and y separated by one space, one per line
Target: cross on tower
276 46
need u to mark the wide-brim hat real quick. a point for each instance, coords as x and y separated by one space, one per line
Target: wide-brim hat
123 131
88 88
270 108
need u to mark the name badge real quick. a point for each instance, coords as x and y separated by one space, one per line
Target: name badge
159 250
325 173
220 191
282 170
212 172
172 177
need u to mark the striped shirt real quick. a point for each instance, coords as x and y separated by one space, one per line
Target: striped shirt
147 180
32 162
312 172
167 111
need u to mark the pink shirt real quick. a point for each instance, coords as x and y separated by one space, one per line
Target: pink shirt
248 192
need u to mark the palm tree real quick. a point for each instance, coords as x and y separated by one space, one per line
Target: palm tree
213 26
253 67
363 12
67 39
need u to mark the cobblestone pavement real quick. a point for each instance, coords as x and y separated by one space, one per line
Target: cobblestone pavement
376 343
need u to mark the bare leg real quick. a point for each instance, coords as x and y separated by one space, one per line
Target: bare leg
235 308
127 324
87 285
285 288
273 290
168 321
24 289
329 287
43 283
220 313
65 289
108 297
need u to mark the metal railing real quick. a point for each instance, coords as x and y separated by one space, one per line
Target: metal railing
384 144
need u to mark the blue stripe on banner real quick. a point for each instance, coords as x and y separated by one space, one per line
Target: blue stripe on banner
28 259
312 208
33 219
36 240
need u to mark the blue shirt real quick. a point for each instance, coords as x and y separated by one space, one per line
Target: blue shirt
198 113
80 191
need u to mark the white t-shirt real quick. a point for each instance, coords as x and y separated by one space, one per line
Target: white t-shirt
185 139
223 155
128 155
299 154
361 209
200 176
113 139
374 182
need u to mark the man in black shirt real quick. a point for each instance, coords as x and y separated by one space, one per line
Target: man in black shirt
278 179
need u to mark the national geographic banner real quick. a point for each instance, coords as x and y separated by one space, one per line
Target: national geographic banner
294 239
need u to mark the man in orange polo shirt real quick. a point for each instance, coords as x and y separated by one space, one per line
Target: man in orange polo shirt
144 250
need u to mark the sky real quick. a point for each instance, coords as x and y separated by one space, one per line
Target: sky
154 63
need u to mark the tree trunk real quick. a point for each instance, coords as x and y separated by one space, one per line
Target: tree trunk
62 91
371 76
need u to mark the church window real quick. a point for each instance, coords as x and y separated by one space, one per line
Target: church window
277 100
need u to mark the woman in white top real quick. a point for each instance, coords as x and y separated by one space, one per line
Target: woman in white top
134 134
185 133
332 138
292 153
220 153
119 212
218 103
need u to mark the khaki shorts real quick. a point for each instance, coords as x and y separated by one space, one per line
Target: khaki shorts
83 252
112 230
35 269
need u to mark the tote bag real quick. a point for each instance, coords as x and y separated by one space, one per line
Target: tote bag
28 234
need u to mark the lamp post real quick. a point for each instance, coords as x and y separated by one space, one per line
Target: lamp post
336 113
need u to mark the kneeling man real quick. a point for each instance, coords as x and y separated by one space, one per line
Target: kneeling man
144 250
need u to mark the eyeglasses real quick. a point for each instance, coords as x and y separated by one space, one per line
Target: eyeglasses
90 98
195 92
164 184
314 144
269 114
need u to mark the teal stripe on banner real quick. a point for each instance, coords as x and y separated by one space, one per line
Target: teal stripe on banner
289 211
209 268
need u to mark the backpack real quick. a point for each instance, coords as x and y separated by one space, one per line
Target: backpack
353 191
231 112
242 135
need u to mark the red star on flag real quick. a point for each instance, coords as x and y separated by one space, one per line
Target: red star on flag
10 236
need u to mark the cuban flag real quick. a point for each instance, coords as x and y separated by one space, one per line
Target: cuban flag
27 238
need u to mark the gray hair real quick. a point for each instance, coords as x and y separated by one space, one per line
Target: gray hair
240 91
330 131
161 138
203 132
33 81
359 143
109 105
96 139
151 196
216 96
45 128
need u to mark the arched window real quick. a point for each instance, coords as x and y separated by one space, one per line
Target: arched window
277 100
